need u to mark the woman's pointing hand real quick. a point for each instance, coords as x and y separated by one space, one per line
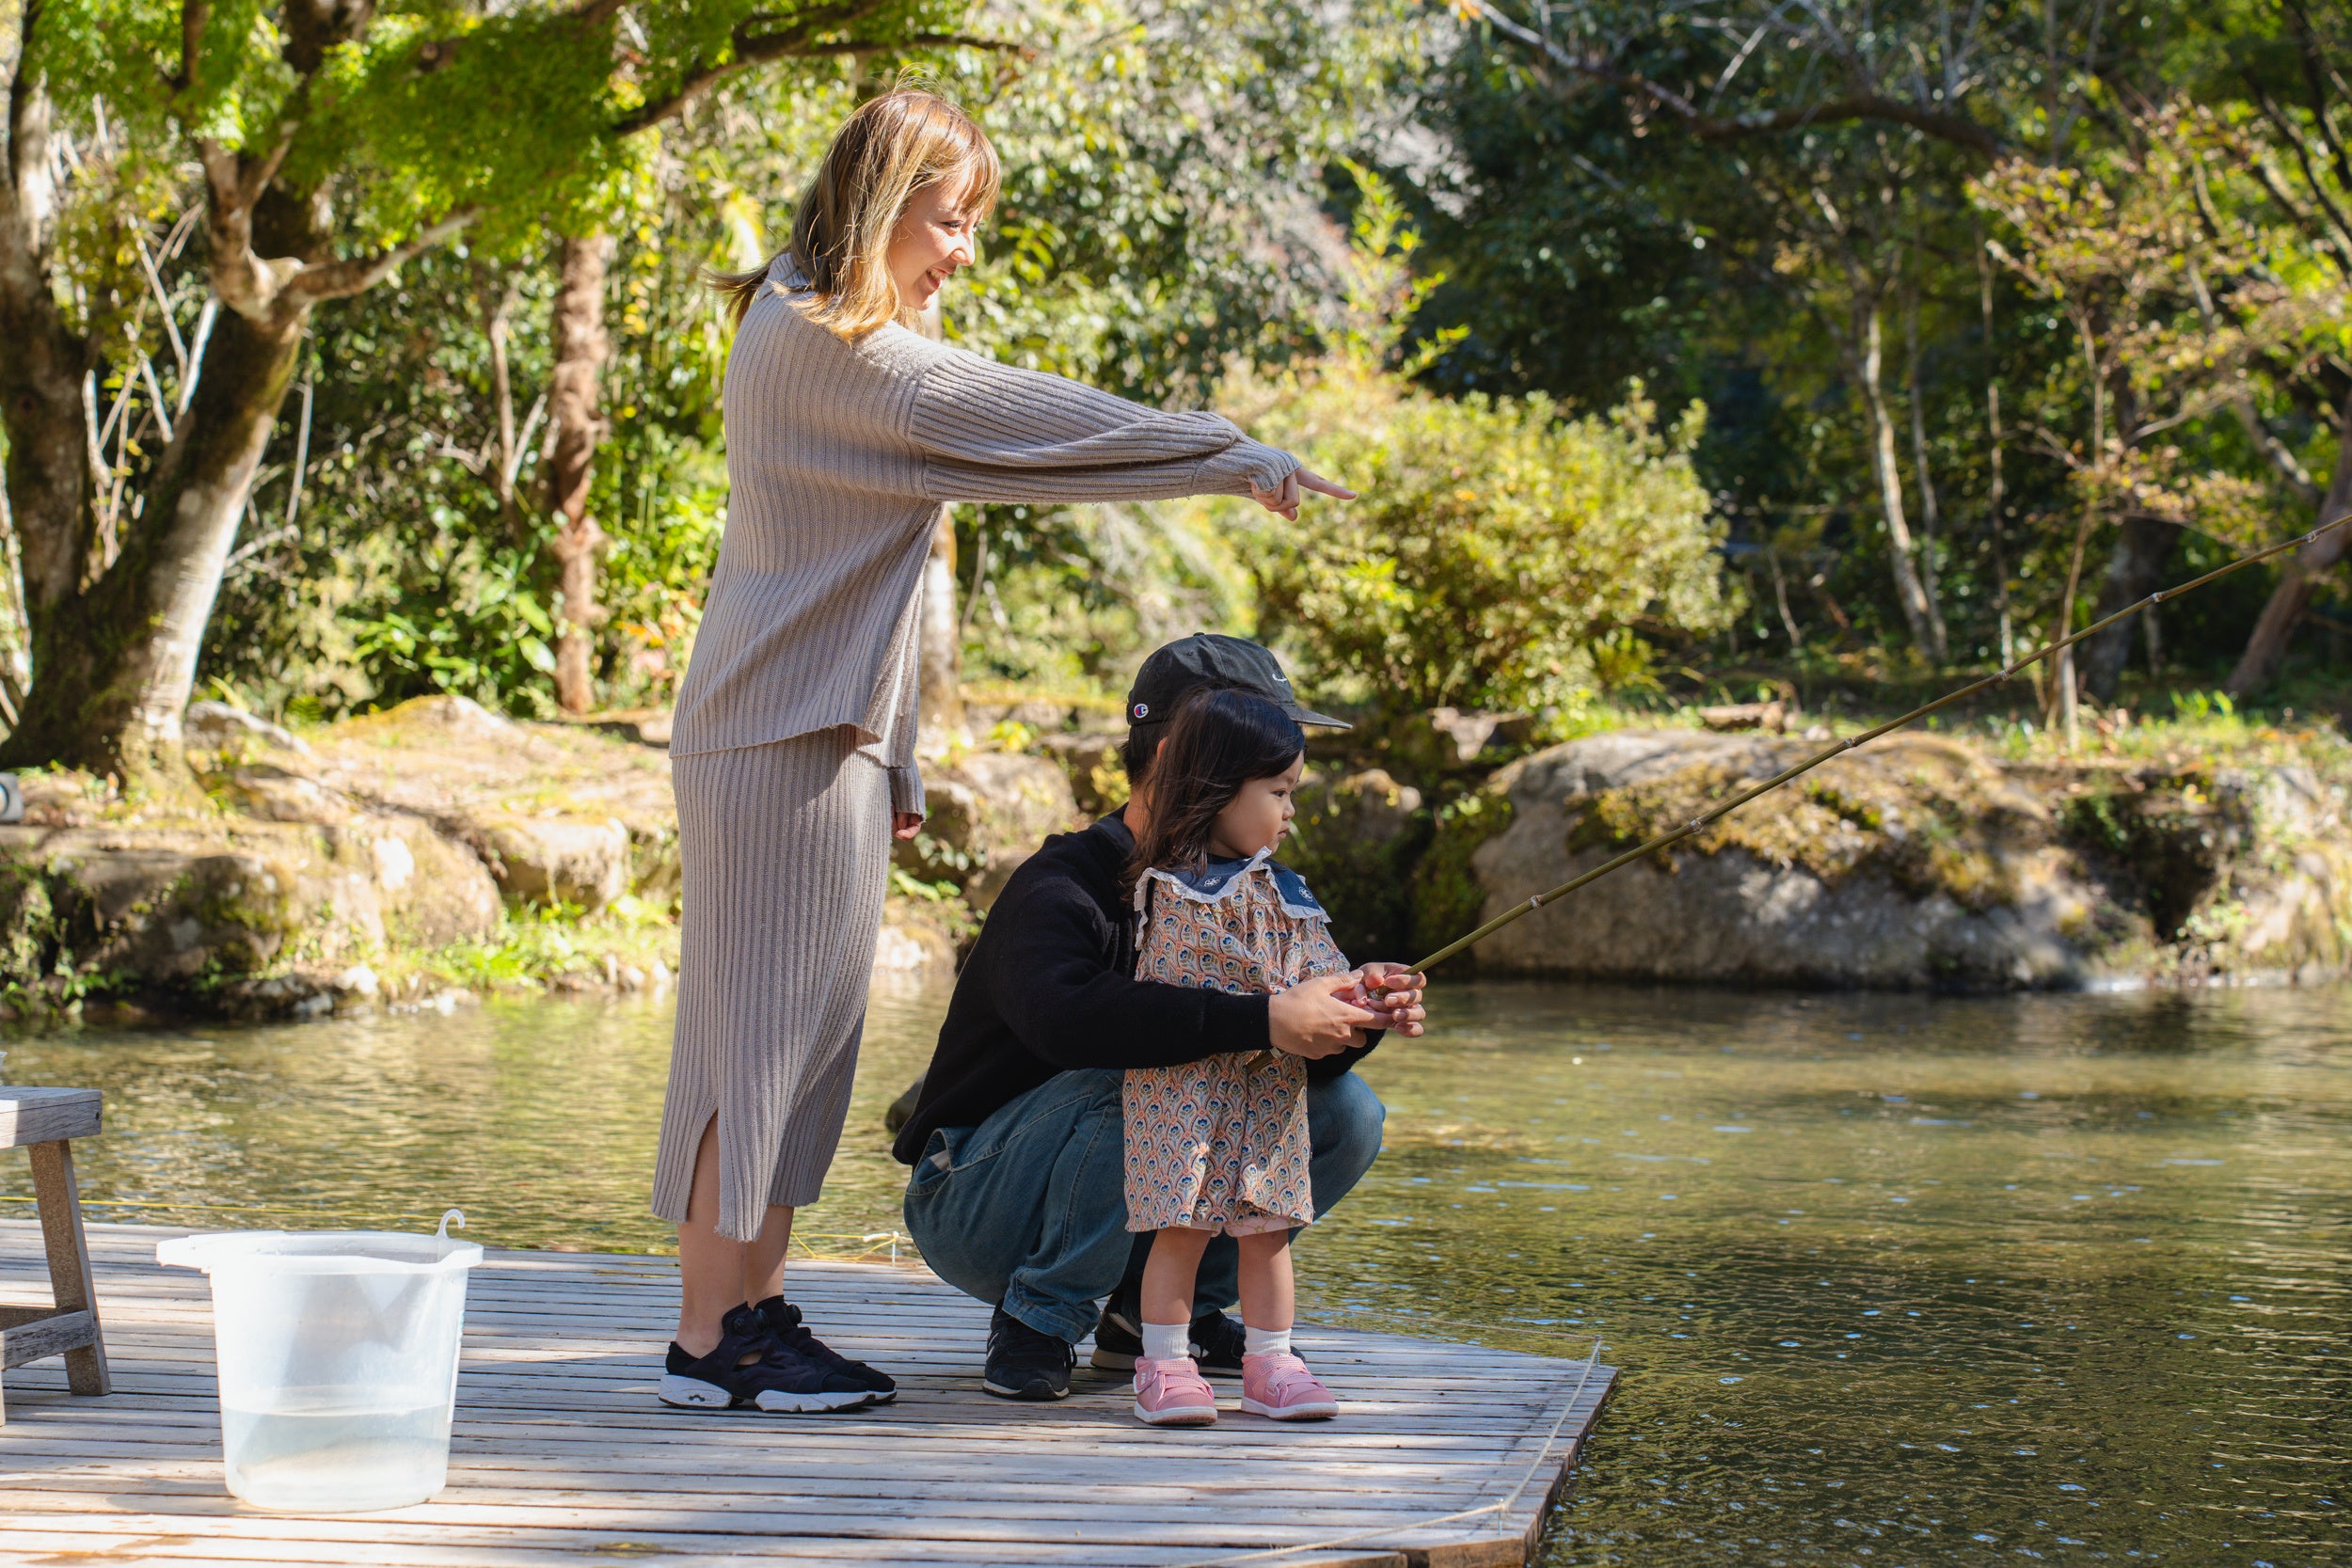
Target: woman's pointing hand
1284 498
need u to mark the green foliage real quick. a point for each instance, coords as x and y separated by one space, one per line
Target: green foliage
1448 899
1591 237
1356 844
1503 556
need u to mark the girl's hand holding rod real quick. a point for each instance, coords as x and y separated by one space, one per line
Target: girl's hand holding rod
1393 990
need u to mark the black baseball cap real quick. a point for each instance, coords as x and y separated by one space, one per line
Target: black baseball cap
1206 661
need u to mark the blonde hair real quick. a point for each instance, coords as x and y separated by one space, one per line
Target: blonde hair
905 141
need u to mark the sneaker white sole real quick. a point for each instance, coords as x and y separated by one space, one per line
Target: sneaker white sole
1177 1415
1321 1412
693 1393
1003 1393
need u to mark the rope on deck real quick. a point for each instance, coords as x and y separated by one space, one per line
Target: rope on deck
1551 1440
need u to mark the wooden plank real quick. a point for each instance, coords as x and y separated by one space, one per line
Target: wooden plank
70 1285
385 1542
1444 1454
41 1335
29 1116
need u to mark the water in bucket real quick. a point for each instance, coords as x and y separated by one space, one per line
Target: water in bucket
337 1352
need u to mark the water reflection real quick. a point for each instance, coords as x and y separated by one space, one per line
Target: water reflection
1896 1280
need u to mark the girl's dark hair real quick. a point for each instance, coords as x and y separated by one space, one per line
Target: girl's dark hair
1218 742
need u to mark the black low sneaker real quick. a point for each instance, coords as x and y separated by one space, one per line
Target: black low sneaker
1217 1342
784 1321
750 1368
1024 1363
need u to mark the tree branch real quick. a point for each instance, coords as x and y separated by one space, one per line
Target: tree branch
244 283
2315 82
798 41
2287 133
1956 129
340 279
2323 234
194 14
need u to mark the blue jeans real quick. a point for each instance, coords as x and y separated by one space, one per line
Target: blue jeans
1029 1209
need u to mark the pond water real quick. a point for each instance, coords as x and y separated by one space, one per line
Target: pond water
1895 1280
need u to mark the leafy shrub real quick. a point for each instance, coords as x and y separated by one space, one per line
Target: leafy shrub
1502 554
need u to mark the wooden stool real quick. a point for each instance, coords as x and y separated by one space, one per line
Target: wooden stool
43 1120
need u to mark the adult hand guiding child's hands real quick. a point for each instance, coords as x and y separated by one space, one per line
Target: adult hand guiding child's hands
1284 498
1314 1018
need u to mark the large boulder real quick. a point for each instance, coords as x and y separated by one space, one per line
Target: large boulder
1089 760
558 813
1917 861
198 906
558 859
1355 839
989 812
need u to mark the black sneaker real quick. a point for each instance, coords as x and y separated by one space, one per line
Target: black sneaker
1023 1363
784 1321
1218 1341
774 1379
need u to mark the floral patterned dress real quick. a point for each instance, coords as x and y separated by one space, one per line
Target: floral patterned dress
1221 1145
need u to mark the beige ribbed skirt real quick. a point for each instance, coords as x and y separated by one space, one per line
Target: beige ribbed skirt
785 850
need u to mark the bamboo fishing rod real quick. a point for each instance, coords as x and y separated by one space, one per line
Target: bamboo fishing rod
1701 822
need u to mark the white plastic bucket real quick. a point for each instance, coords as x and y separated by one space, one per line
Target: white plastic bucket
337 1354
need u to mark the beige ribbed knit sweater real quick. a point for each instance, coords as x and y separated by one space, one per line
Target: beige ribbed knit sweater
838 458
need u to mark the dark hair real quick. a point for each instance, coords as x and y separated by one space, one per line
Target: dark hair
1143 740
1218 742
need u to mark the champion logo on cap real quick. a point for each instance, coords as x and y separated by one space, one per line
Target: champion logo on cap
1141 710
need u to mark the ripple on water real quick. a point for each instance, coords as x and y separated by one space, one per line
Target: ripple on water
1895 1279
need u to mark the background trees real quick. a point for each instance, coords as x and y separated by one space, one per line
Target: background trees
1797 213
359 352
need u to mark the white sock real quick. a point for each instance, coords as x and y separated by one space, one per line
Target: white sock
1265 1341
1167 1342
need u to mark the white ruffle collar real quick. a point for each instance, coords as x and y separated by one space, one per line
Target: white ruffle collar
1218 879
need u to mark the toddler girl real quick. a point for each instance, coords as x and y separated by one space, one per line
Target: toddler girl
1220 1144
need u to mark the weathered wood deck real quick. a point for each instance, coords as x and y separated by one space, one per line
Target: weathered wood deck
563 1456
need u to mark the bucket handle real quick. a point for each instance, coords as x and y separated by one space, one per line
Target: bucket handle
457 1215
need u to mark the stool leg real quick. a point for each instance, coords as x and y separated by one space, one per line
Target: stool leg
60 1202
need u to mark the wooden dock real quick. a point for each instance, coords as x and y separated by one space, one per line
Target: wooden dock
1446 1455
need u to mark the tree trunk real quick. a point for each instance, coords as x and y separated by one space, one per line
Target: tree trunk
2142 547
2304 568
942 679
580 349
1919 612
113 665
49 476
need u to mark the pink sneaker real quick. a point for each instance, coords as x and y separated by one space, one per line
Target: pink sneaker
1173 1394
1280 1387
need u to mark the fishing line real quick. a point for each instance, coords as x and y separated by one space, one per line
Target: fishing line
1701 822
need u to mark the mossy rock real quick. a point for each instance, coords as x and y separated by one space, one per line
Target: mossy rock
1928 815
1447 898
1356 840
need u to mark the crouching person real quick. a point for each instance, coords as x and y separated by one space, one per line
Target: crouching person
1016 1138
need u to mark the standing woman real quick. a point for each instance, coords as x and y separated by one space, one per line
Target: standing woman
793 743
